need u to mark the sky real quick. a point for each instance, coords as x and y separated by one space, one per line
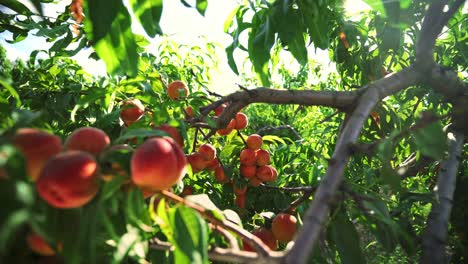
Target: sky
184 27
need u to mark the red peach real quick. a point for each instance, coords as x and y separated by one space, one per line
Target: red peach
39 245
248 157
173 132
228 129
266 236
255 182
239 190
213 164
218 110
248 171
158 164
197 162
177 90
220 175
254 142
267 173
240 201
207 151
131 111
37 147
68 180
90 139
284 227
241 121
189 112
263 157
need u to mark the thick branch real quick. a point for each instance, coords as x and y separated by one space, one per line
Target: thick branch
435 235
317 213
238 100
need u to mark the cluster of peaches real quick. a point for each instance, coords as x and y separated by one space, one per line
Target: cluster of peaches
283 229
255 162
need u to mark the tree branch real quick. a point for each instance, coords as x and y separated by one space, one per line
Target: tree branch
435 235
317 213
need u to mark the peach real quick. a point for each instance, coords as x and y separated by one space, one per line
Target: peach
263 157
158 164
177 90
131 111
207 151
255 182
220 175
228 129
239 190
90 139
241 121
213 164
218 110
284 227
248 171
266 236
254 142
37 244
267 173
248 157
240 201
197 162
189 112
37 147
69 180
173 132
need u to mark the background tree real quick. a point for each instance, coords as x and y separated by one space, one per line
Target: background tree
370 159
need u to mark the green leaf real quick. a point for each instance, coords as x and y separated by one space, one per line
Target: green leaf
261 41
16 6
190 236
201 6
110 29
148 13
386 151
378 6
431 140
10 225
140 133
203 200
346 238
6 84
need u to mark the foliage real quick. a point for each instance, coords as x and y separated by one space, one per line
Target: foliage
380 214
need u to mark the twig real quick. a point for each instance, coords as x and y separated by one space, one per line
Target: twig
305 196
435 235
241 137
290 189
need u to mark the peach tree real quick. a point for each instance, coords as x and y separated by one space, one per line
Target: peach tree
363 161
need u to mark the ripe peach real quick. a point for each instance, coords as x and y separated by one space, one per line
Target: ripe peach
220 175
248 171
173 132
207 151
240 201
239 190
218 110
90 139
248 157
131 111
228 129
284 227
255 181
68 180
266 236
263 157
189 112
254 142
267 173
37 244
213 164
37 147
158 164
197 162
177 90
241 121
